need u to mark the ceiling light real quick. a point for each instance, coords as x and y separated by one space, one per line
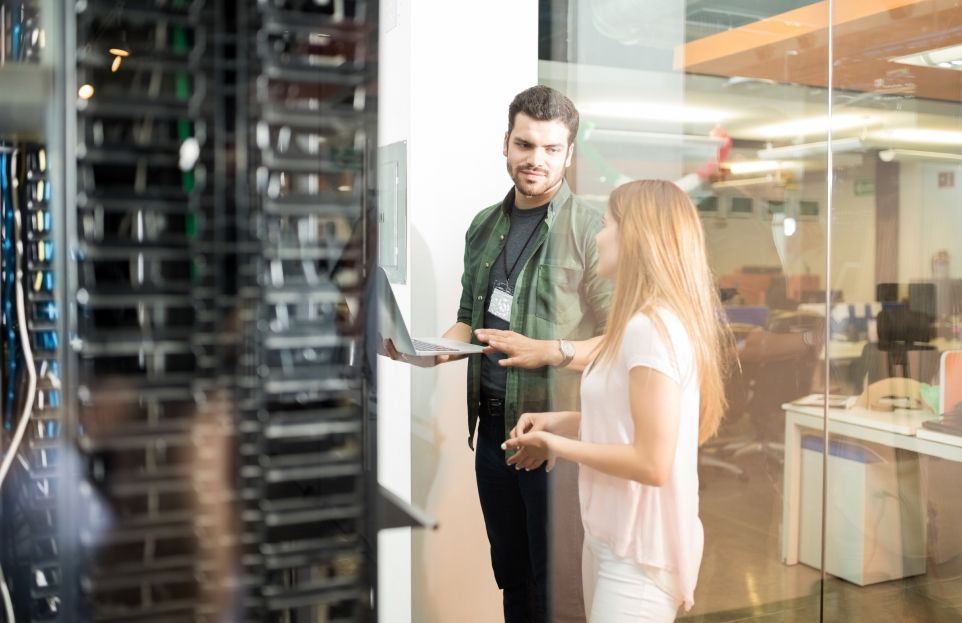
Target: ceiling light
85 92
949 58
114 66
814 125
748 181
890 155
920 135
639 137
654 112
745 167
805 150
789 226
119 52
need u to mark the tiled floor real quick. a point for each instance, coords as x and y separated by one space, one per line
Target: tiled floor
742 578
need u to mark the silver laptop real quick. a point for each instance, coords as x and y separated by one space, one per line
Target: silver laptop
391 325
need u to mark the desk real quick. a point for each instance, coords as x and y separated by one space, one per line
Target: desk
843 355
844 351
895 429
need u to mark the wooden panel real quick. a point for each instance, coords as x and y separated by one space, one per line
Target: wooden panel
793 47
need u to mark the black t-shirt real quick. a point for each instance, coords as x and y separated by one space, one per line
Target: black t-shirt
518 247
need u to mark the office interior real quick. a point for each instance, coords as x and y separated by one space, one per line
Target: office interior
834 214
196 424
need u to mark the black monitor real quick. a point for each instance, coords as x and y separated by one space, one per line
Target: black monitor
887 292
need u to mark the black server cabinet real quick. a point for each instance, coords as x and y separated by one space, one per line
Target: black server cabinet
199 424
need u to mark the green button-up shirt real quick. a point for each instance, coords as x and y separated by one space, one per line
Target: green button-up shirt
558 295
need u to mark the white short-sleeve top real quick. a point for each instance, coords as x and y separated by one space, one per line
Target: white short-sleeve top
657 527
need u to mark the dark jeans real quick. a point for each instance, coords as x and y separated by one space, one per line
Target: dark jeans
515 508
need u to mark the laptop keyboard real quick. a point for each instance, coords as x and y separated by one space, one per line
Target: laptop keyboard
418 344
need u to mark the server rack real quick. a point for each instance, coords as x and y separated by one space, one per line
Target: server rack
309 118
31 202
200 447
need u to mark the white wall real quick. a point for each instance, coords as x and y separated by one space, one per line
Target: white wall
853 234
734 242
448 72
930 219
468 61
394 379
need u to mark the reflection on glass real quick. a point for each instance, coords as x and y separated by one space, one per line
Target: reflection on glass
651 87
897 325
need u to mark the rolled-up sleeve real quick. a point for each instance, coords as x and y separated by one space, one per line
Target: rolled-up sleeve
595 291
467 291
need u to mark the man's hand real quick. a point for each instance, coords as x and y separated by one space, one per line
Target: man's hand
386 348
522 352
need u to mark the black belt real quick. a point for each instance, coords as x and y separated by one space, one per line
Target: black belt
492 406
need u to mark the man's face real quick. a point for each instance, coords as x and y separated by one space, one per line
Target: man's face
537 155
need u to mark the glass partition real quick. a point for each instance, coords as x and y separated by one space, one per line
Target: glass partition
891 511
658 91
832 227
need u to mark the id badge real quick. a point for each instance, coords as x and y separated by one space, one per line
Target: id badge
500 305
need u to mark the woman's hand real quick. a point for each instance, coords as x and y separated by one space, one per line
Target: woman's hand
522 352
530 422
532 449
524 458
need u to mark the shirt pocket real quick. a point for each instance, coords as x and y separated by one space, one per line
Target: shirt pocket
558 298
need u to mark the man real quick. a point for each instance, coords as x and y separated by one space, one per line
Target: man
529 267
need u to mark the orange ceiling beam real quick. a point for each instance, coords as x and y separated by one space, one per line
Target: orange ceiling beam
793 47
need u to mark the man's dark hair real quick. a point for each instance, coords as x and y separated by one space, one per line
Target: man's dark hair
545 104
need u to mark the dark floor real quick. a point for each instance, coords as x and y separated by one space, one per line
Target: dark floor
742 578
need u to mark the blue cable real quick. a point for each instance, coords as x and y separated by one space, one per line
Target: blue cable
8 250
16 34
46 311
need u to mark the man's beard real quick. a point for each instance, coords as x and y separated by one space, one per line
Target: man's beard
533 189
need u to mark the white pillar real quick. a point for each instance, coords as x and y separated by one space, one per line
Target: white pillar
448 72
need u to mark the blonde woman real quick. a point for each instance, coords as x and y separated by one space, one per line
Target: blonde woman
652 392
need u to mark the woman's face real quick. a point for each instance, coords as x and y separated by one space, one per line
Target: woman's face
607 241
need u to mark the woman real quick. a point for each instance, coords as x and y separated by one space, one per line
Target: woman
653 392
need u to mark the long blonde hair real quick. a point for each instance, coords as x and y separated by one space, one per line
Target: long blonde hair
662 263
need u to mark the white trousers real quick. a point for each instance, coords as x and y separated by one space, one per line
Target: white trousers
619 591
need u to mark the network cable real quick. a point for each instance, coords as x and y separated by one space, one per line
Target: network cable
8 251
29 368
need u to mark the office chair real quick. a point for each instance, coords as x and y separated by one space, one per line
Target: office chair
902 349
714 453
758 392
